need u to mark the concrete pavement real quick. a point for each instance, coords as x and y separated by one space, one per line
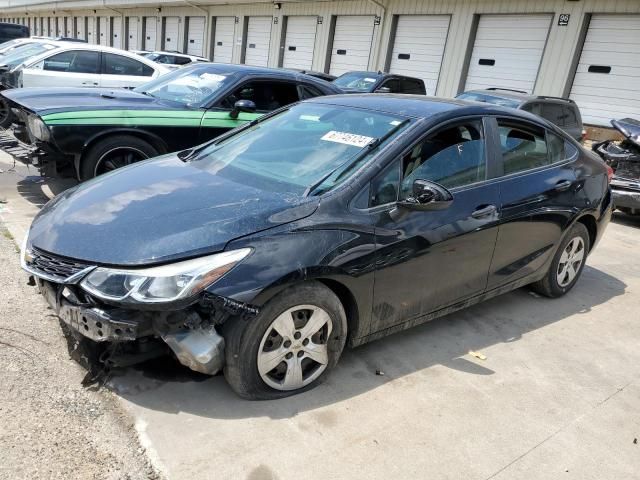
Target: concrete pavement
557 396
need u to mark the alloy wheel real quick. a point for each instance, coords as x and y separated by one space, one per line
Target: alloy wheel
118 158
293 351
570 262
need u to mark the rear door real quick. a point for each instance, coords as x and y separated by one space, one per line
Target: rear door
124 72
538 189
75 68
268 95
427 260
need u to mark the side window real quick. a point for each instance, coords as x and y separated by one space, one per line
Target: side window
523 147
181 60
308 91
74 62
570 118
560 149
452 157
119 65
392 84
554 113
411 86
267 96
384 188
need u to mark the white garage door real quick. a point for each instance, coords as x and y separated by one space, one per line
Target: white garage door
171 40
299 43
419 46
60 26
116 32
45 26
92 36
606 83
195 36
103 31
70 30
258 39
132 33
351 43
507 51
150 33
223 39
80 28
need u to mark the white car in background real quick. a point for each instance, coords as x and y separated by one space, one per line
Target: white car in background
82 65
173 60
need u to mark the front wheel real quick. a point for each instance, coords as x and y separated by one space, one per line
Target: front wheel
567 264
114 152
289 347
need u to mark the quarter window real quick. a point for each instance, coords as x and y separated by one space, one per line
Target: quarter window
523 147
560 149
384 188
119 65
267 96
73 62
411 86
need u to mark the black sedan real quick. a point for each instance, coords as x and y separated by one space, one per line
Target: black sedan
88 132
379 82
331 222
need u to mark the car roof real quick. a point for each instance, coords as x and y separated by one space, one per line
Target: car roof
421 106
516 95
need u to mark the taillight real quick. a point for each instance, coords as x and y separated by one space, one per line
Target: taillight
609 173
584 135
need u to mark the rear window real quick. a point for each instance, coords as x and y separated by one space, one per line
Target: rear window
483 97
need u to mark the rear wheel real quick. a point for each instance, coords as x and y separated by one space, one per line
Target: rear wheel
291 345
567 264
113 153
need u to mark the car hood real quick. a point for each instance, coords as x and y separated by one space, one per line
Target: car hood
156 211
55 100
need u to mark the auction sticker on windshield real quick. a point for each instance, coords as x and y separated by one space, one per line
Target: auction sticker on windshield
347 138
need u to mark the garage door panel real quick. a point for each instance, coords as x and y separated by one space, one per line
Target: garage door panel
351 43
258 41
171 38
150 33
507 51
300 39
223 39
116 34
132 33
195 36
604 96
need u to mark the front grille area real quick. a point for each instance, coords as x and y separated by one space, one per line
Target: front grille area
629 169
53 266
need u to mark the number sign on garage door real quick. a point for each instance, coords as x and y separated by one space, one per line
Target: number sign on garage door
606 83
223 39
195 35
507 51
300 40
258 40
351 43
150 33
171 33
418 47
132 33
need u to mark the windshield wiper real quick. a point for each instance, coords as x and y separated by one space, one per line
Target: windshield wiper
364 152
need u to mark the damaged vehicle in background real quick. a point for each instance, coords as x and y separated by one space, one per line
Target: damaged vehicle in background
331 222
624 158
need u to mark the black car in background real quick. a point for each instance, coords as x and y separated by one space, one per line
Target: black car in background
332 222
89 131
10 31
562 112
379 82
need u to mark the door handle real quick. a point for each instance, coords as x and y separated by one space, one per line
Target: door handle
563 185
95 84
484 211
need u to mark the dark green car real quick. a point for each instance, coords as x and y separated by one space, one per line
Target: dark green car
87 132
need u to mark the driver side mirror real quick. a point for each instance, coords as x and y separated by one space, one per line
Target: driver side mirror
383 90
246 106
427 196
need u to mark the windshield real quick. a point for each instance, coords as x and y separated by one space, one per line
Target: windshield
306 150
483 97
188 86
360 81
24 52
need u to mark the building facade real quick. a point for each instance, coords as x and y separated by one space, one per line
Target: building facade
588 50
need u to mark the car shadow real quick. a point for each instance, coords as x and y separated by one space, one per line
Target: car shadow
39 190
626 220
446 341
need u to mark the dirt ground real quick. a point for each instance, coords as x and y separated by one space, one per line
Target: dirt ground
50 425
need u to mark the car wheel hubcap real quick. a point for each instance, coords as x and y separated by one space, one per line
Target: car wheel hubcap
570 261
293 351
118 158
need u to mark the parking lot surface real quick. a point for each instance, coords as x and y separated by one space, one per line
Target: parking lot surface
557 394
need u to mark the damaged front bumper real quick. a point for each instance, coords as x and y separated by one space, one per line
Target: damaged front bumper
626 194
190 333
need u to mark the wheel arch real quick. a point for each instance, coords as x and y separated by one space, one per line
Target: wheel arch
590 223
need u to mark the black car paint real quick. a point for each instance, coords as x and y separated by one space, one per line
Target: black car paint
391 274
381 79
69 142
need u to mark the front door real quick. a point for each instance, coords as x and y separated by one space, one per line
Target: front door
427 260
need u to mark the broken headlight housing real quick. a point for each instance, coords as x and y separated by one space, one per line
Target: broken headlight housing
37 128
166 283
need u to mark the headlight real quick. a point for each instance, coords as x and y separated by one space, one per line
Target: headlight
166 283
37 128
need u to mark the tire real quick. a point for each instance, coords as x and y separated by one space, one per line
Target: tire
114 152
291 311
555 283
6 115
